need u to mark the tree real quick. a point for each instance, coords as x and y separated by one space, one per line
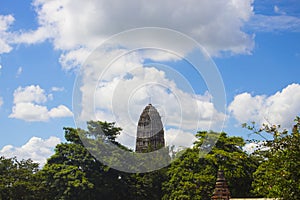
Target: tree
73 173
105 130
278 174
192 176
148 186
18 179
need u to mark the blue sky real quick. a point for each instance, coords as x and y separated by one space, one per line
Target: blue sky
43 44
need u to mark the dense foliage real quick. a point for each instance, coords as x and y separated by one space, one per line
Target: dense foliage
18 179
72 172
278 174
193 176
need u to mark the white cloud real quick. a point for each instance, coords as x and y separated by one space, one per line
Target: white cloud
73 58
179 138
252 146
187 110
19 72
28 105
37 149
264 23
57 89
5 22
1 101
29 112
280 108
60 111
73 25
278 10
77 27
32 93
32 37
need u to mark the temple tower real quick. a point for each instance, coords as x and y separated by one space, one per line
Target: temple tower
221 191
150 131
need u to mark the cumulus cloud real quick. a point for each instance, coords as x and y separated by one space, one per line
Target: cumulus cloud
72 59
179 138
36 148
181 109
28 105
32 93
29 112
76 26
5 22
32 36
60 111
280 108
102 18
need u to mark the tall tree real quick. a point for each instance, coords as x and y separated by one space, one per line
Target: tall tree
278 175
73 173
18 179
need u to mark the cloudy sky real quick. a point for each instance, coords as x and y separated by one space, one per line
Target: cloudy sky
102 51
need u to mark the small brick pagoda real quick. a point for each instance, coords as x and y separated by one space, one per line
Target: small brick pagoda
221 191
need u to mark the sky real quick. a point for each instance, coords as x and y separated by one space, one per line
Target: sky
205 65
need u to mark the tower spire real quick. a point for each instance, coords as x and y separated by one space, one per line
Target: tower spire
221 191
150 131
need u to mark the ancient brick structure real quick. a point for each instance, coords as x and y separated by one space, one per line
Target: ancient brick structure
150 131
221 191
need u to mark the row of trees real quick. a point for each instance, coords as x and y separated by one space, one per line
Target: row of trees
73 173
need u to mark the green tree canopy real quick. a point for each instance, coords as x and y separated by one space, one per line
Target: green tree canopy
193 176
18 179
278 175
74 173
